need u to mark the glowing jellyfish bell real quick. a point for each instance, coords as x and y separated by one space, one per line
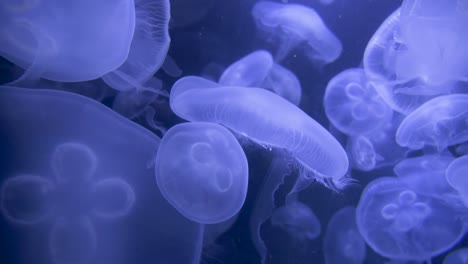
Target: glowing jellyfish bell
149 46
343 243
440 122
68 41
396 221
202 171
298 220
294 24
456 176
352 104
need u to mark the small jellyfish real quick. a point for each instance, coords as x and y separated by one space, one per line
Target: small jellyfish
293 25
202 171
343 243
458 256
249 71
456 176
440 122
265 118
298 220
362 153
284 83
352 105
66 41
396 222
23 199
149 46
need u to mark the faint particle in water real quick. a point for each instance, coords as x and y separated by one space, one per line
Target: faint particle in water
440 122
265 118
202 171
352 104
343 243
458 256
30 38
293 25
396 222
298 220
149 46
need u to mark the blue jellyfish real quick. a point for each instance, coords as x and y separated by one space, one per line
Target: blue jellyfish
293 25
352 105
459 256
149 46
440 122
298 220
343 243
456 177
66 41
398 222
284 83
207 182
99 167
265 118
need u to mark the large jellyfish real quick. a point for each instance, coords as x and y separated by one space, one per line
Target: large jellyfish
257 69
343 243
440 122
459 256
202 171
67 41
456 177
400 223
293 25
298 220
84 181
149 46
352 104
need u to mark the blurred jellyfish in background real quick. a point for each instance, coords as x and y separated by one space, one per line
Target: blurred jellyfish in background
399 223
149 46
298 220
66 41
258 69
440 122
343 243
459 256
456 177
293 26
352 104
202 171
84 181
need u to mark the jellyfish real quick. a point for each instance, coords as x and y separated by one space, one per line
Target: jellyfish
440 122
352 105
284 83
343 243
265 118
149 46
456 175
398 222
66 41
458 256
207 183
100 168
293 25
362 154
298 220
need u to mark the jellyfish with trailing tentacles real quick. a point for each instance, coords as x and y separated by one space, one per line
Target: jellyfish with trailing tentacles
202 171
343 243
439 123
292 25
396 221
87 171
353 106
66 41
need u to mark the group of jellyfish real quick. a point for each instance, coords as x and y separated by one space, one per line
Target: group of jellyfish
87 166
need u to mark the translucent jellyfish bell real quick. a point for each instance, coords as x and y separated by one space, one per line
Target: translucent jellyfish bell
149 46
298 220
267 119
459 256
456 176
68 41
202 171
294 24
352 104
343 243
440 122
284 83
397 222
